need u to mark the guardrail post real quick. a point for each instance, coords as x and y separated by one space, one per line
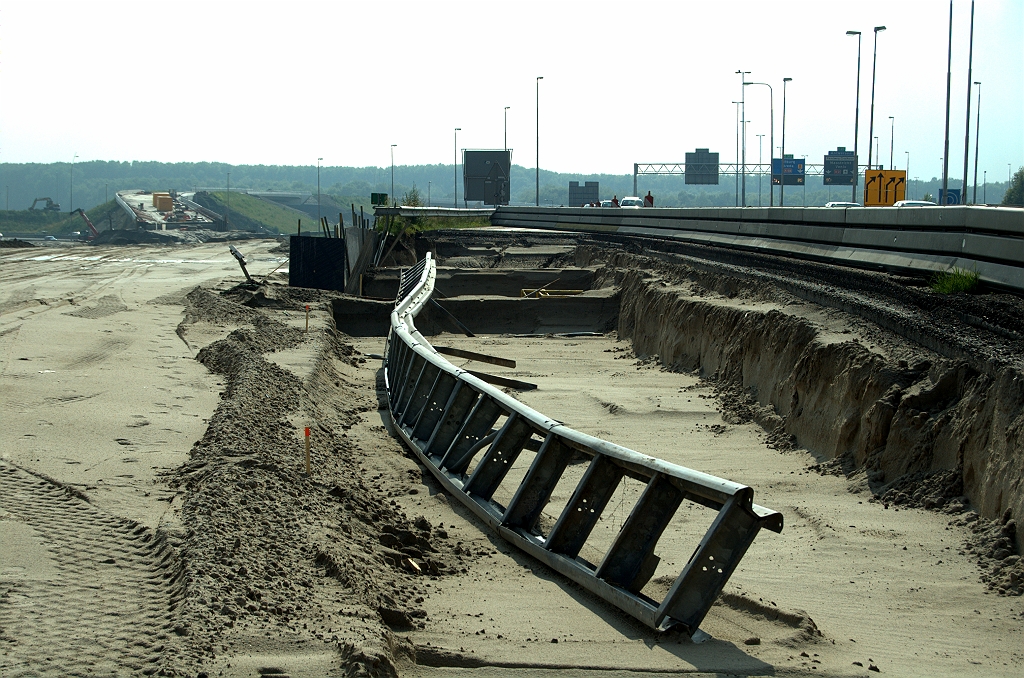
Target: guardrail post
418 400
536 488
437 401
631 562
499 459
584 509
711 565
456 459
456 411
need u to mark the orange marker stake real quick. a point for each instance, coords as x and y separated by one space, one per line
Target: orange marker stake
307 447
307 329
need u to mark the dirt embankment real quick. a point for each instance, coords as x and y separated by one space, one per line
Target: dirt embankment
926 430
269 553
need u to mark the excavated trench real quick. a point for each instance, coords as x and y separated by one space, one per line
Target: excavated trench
920 428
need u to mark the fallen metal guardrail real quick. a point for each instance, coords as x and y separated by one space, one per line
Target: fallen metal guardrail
447 417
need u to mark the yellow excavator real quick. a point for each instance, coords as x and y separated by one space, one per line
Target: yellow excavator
51 206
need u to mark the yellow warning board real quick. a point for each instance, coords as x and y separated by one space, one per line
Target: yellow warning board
882 188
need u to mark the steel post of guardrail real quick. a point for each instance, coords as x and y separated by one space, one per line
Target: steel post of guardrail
447 416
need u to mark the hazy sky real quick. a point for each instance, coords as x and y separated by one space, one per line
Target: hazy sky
624 82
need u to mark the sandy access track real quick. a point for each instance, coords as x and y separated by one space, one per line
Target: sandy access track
193 543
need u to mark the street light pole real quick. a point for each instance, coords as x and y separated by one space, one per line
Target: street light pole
736 173
457 130
506 127
760 171
949 83
318 217
782 174
907 190
967 132
539 78
743 133
73 183
876 153
771 142
393 173
856 122
874 70
977 137
892 130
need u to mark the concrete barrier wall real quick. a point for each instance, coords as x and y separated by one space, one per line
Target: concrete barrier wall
915 240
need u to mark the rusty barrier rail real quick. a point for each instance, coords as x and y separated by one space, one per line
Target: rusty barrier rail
450 418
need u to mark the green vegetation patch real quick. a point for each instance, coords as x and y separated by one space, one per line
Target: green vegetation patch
955 280
246 212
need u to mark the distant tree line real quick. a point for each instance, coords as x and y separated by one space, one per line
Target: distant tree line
95 182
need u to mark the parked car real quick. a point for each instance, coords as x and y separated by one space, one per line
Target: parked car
914 203
843 204
632 201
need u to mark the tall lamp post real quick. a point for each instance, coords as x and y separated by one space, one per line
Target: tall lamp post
771 142
73 183
393 174
506 126
856 121
977 133
428 194
743 117
782 174
967 132
949 83
737 173
907 190
760 171
874 70
457 130
892 130
539 78
318 217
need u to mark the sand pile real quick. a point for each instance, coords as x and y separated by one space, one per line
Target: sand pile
14 243
271 556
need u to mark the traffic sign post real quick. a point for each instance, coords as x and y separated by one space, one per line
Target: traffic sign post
883 188
793 171
840 168
949 197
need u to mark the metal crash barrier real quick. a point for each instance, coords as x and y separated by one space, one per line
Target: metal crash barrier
452 419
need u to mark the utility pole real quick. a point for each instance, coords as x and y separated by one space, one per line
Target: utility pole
539 78
856 122
457 130
949 82
743 121
967 133
874 70
782 175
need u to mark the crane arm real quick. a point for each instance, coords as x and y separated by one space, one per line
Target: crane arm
88 223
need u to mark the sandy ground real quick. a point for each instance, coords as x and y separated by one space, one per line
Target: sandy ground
886 588
99 392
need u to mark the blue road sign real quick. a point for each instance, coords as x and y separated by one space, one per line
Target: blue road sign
794 171
950 198
840 168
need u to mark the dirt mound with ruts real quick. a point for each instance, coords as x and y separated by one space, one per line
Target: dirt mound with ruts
268 550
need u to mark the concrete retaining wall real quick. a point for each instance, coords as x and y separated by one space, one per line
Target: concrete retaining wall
912 240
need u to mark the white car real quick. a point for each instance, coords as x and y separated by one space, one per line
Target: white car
914 203
632 201
843 204
607 203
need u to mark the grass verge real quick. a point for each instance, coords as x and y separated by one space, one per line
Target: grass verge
955 280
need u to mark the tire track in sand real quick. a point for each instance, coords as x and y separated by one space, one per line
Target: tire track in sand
108 608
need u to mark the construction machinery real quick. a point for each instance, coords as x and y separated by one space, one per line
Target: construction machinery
51 206
88 222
